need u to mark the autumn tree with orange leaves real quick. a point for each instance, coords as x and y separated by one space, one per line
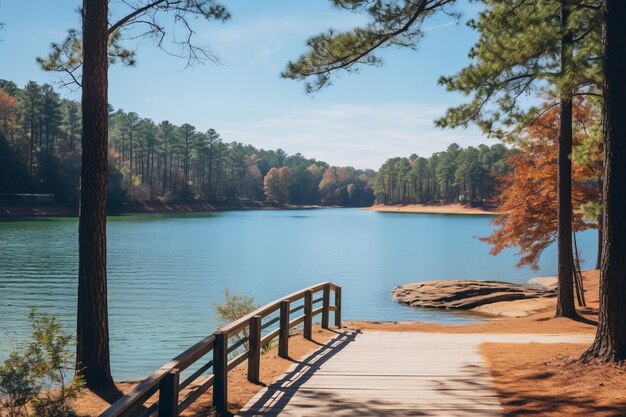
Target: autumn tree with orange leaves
531 223
7 110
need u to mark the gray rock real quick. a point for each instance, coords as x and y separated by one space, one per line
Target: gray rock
464 294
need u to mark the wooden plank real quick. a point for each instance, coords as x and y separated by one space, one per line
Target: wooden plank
378 375
283 337
326 306
269 337
168 394
308 314
134 400
239 324
254 349
338 307
220 366
199 387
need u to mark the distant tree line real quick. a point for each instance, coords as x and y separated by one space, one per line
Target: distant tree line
181 163
158 161
456 175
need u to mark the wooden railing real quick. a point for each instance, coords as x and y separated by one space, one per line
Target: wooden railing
225 349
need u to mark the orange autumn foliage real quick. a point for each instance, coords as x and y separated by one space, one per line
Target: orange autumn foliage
7 108
528 199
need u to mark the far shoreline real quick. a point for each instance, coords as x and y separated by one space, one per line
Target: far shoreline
16 212
24 212
432 209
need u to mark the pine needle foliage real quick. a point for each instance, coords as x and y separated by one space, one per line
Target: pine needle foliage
517 58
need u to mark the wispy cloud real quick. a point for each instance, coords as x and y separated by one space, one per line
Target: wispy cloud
440 26
279 26
346 134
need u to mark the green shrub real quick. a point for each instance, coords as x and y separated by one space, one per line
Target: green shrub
235 307
18 384
38 375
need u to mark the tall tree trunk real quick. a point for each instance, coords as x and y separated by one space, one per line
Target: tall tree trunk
610 342
92 334
565 293
32 136
600 234
209 178
130 159
170 176
164 185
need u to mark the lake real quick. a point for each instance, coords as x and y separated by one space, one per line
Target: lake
167 270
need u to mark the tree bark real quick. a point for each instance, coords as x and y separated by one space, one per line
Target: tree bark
600 243
610 341
565 294
92 335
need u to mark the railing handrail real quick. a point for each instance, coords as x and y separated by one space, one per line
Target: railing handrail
165 380
269 308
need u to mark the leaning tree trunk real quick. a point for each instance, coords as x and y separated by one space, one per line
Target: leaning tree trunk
610 341
565 301
92 335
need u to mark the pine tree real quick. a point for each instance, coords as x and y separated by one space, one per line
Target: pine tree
523 48
610 342
91 51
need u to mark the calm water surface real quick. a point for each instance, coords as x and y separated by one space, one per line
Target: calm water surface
166 271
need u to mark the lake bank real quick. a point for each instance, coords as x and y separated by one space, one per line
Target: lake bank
432 209
17 211
136 207
533 316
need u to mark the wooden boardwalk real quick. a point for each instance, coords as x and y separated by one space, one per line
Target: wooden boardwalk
374 373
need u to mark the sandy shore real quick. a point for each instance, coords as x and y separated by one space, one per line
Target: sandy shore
428 209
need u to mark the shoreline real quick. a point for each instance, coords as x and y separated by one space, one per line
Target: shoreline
17 212
432 209
517 316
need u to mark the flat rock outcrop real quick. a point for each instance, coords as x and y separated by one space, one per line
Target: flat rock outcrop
464 294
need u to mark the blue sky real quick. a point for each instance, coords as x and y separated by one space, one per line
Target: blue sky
361 120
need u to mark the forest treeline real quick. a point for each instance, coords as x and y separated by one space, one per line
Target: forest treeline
150 161
457 175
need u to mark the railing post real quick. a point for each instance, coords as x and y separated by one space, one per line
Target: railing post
168 394
220 370
254 349
325 306
338 307
283 336
308 314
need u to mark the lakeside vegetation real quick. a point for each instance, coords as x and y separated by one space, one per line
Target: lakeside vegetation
456 175
150 161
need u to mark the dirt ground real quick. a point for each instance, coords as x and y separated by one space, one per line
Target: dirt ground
240 391
547 380
423 208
